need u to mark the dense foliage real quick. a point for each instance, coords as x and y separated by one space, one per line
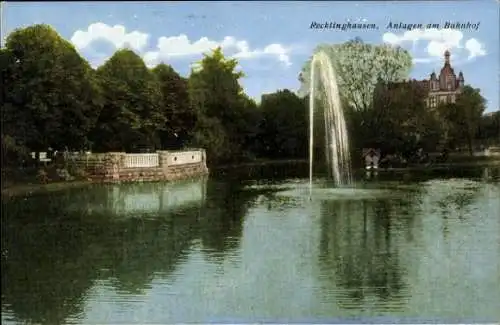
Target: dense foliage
51 97
387 112
360 66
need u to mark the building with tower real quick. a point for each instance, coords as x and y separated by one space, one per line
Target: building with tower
440 89
446 87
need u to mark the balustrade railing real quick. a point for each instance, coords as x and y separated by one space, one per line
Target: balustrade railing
141 160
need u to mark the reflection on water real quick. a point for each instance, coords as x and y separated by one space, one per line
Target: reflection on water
205 251
363 253
141 198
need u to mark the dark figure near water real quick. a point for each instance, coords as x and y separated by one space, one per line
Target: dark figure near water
372 158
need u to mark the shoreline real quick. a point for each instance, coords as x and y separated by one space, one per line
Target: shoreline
27 189
434 167
260 163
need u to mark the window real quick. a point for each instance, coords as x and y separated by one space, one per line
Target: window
450 85
433 101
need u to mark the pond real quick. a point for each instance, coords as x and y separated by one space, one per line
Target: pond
251 246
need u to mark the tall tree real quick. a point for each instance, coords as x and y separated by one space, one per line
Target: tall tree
15 125
360 67
489 128
464 116
210 134
180 115
247 127
284 127
132 114
51 97
215 93
215 87
400 120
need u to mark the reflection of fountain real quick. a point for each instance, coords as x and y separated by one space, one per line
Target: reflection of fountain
491 174
337 142
358 257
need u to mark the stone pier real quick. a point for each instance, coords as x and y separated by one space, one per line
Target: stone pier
160 166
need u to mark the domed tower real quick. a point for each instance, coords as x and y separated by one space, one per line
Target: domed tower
461 80
434 83
447 57
447 77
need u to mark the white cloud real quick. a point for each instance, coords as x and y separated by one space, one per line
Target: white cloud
273 49
173 46
177 46
438 41
116 35
475 48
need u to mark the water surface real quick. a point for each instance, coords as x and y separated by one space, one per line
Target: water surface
235 249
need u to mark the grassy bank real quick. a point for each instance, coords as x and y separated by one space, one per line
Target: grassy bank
27 181
29 189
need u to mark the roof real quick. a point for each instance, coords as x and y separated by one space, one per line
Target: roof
447 69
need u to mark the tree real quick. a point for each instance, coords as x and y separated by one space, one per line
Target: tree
400 120
13 124
179 113
209 133
247 127
489 128
214 86
284 128
132 114
464 116
215 93
360 67
51 97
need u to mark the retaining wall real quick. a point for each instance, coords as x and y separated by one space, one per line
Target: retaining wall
159 166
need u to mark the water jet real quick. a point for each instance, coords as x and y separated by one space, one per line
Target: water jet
336 136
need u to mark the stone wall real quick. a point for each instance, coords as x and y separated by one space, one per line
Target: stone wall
184 157
172 165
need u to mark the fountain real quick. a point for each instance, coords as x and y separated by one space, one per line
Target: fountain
323 85
337 142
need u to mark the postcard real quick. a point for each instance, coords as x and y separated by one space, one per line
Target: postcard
250 162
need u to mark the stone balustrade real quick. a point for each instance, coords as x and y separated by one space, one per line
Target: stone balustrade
141 160
162 165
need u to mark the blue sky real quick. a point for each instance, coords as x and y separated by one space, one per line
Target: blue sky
272 39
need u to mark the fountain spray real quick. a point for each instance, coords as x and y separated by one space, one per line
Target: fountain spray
337 140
